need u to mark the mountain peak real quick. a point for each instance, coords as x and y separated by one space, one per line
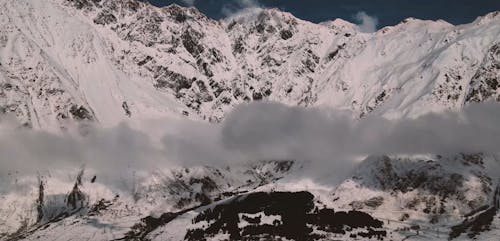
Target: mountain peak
258 15
180 13
341 24
488 17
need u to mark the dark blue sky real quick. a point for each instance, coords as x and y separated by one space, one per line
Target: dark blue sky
388 12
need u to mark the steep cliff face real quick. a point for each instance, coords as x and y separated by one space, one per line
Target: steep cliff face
107 61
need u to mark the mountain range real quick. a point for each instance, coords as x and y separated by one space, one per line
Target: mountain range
104 62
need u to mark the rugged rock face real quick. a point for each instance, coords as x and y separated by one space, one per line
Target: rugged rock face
435 191
76 198
83 202
69 53
484 84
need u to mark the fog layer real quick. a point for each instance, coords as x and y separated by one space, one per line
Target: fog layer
327 138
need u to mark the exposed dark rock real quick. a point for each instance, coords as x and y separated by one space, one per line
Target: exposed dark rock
257 96
105 18
203 95
204 68
216 87
472 159
239 45
270 61
146 29
190 41
260 28
434 184
76 198
168 79
310 62
80 113
283 166
126 109
428 176
7 86
332 54
62 116
267 92
476 225
479 220
98 207
145 60
40 200
202 198
132 5
381 96
404 217
177 13
224 100
374 202
231 25
207 184
79 4
216 55
54 91
238 93
140 230
286 34
484 83
294 225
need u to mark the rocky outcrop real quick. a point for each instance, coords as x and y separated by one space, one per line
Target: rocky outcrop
268 215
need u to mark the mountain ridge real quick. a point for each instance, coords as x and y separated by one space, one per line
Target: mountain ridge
204 68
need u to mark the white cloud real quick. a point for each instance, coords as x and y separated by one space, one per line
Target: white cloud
248 3
367 23
328 139
242 10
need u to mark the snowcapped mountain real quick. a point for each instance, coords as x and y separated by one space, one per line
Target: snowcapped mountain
108 61
112 60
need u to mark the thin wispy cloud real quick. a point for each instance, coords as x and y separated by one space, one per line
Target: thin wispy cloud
242 10
189 2
366 23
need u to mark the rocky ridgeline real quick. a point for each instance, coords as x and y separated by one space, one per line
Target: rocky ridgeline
206 67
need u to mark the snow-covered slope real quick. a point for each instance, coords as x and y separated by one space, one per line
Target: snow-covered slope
108 61
112 60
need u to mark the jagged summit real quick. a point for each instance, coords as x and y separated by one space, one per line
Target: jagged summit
340 24
488 17
181 14
205 67
257 15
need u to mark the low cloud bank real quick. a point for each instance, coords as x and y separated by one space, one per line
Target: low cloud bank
329 139
270 129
